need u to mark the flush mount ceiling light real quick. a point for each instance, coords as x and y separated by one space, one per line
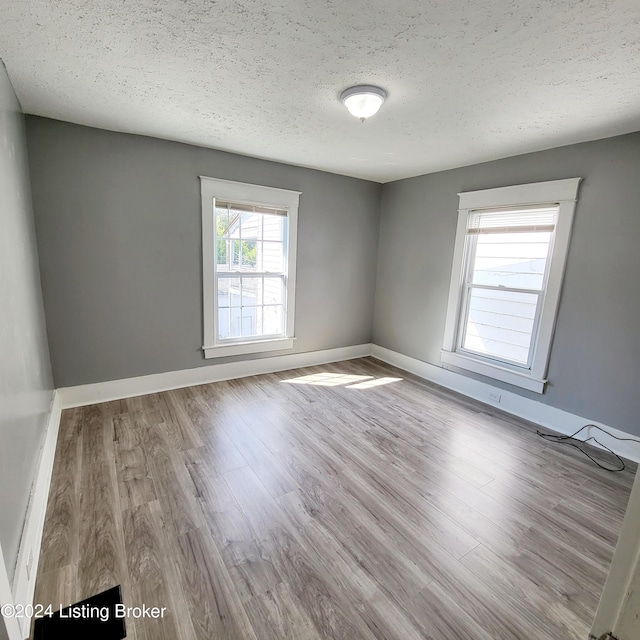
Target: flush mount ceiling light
363 101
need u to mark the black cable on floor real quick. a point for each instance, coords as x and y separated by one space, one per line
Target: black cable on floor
552 437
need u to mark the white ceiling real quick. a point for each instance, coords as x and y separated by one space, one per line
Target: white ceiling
468 80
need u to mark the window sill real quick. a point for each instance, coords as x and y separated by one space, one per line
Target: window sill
495 371
242 348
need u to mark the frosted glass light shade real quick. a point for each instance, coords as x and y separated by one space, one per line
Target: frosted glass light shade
363 101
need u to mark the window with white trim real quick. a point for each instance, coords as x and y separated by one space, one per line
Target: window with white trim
249 254
509 259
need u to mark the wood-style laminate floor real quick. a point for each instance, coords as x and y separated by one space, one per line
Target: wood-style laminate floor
342 501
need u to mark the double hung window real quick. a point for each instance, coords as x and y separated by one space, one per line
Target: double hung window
509 260
248 268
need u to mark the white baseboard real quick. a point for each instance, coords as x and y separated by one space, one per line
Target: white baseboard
154 383
28 556
543 414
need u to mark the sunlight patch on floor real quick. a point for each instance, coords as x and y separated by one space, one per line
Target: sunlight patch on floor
329 379
377 382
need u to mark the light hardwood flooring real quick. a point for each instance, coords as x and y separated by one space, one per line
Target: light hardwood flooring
343 501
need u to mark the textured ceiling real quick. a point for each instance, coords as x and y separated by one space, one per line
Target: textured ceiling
467 80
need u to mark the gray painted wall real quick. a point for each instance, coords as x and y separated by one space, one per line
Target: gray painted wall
26 385
118 219
595 358
119 238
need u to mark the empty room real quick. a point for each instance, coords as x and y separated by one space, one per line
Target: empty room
319 320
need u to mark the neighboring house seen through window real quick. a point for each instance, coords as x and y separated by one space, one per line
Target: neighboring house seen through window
510 253
249 243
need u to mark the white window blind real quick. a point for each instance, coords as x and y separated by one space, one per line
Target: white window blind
239 206
520 220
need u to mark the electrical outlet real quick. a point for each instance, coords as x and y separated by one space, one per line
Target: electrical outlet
494 397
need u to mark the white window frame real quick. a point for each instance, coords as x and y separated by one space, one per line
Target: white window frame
257 195
560 192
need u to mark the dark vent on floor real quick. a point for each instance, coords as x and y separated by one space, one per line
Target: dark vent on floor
95 618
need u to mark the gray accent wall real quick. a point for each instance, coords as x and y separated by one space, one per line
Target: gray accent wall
119 238
595 357
26 385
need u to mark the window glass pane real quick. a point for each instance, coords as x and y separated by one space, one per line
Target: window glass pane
273 227
228 292
235 254
272 323
235 219
250 223
251 291
249 250
221 231
249 321
223 292
272 257
499 324
273 290
235 322
221 255
222 222
224 324
260 321
516 260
